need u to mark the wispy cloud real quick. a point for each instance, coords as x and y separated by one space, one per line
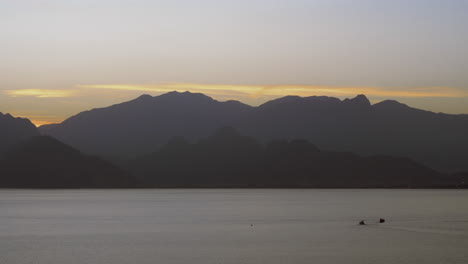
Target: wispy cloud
41 93
97 95
247 92
255 91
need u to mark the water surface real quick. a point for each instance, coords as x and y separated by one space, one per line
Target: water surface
233 226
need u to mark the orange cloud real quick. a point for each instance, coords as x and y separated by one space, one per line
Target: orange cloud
41 93
255 91
250 91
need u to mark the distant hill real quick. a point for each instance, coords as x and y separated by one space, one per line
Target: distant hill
228 159
355 125
44 162
14 130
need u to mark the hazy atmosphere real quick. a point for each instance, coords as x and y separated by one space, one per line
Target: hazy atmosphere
240 131
62 57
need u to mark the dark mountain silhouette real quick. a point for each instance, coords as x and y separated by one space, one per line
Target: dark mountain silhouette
228 159
144 124
386 128
45 128
14 130
44 162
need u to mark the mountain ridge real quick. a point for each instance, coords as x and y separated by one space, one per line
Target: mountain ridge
141 125
14 130
229 159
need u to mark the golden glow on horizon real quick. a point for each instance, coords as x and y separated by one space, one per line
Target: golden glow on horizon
39 120
250 94
255 91
249 91
41 93
39 123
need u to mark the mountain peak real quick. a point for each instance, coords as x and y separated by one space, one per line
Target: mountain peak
282 100
14 130
16 120
361 97
185 95
144 97
391 103
360 100
323 99
7 115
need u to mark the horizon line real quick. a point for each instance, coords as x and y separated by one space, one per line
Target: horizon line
39 123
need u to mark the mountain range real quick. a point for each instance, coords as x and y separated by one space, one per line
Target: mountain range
228 159
142 125
225 159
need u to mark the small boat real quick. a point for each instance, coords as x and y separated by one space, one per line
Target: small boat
380 221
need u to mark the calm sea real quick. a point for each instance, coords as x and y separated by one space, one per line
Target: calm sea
233 226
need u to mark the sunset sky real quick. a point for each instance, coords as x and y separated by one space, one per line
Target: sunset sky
58 58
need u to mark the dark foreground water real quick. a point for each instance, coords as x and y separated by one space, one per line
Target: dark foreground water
233 226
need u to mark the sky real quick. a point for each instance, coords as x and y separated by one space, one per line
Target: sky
58 58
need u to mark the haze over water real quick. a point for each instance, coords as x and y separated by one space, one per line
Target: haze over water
233 226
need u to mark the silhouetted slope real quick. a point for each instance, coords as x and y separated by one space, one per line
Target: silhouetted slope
142 125
436 139
14 130
44 162
387 128
228 159
46 128
318 118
